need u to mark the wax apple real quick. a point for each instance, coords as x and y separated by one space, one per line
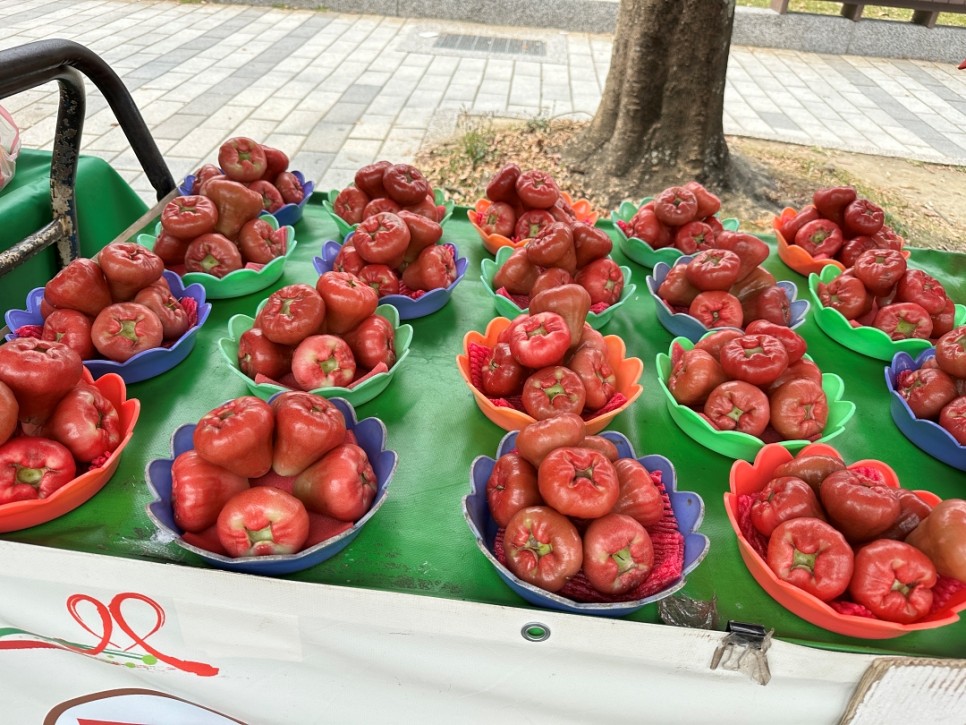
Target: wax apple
242 159
263 521
603 279
72 328
306 428
199 490
618 554
291 314
257 355
81 285
553 390
348 300
638 496
543 547
213 254
598 377
540 339
694 374
121 331
86 423
128 268
859 506
323 361
578 482
571 301
512 486
238 436
39 373
538 439
434 268
812 555
236 205
32 468
372 341
382 239
9 411
186 217
502 375
260 243
341 485
174 318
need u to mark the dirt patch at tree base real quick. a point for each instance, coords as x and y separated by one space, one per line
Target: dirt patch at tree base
925 203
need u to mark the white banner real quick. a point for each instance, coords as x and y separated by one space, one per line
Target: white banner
95 639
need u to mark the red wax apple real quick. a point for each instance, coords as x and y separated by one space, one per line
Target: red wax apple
341 485
199 490
307 427
238 436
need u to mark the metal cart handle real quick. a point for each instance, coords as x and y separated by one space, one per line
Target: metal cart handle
33 64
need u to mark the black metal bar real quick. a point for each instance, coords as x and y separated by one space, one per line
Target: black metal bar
62 231
63 163
31 64
34 64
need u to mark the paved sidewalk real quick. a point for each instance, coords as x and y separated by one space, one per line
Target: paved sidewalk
337 91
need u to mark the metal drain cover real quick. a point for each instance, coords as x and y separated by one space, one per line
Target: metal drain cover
491 44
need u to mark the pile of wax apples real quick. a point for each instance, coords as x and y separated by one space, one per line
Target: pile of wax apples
116 305
54 422
318 337
217 229
848 536
263 476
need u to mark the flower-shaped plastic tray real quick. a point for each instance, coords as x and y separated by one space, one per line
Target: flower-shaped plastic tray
409 308
24 514
508 308
286 215
685 325
583 210
345 228
638 250
627 369
749 478
358 394
242 281
798 258
688 509
144 365
370 435
927 434
735 444
865 340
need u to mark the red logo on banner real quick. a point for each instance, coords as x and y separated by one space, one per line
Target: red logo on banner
107 616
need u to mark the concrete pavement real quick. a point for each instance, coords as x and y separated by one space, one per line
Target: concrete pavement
337 91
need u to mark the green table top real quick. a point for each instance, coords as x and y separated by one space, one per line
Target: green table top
419 543
105 206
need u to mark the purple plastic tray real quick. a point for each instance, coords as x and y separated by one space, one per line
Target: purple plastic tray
926 434
287 215
688 508
408 308
370 436
685 325
144 365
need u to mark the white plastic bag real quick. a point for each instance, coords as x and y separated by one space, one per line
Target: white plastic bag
9 147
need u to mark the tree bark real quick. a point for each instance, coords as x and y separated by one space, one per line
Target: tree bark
660 117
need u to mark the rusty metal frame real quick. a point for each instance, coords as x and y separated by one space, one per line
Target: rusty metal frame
33 64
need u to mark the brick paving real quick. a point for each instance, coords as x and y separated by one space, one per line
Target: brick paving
337 91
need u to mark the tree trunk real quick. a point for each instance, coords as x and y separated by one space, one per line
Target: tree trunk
660 117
